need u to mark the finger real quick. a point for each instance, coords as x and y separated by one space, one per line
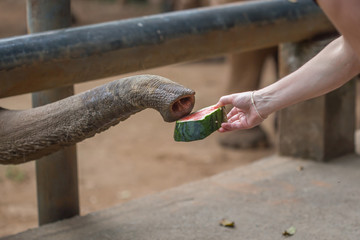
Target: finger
232 113
225 100
230 126
237 125
222 130
234 118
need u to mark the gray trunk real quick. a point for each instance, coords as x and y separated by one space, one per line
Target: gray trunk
30 134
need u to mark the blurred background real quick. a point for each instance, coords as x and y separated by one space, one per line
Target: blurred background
138 156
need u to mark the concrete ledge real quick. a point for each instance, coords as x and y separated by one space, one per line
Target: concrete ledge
322 201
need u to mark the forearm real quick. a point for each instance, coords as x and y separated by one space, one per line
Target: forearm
328 70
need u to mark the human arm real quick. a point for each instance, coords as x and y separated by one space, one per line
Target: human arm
331 68
346 18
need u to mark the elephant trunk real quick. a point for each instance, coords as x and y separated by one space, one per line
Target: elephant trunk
30 134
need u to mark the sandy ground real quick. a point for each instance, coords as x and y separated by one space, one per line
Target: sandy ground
136 157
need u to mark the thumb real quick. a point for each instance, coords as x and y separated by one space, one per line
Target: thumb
225 100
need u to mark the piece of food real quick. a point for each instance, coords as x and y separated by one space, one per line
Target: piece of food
199 124
227 223
289 232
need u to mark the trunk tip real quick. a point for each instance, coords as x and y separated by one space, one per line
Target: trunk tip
181 107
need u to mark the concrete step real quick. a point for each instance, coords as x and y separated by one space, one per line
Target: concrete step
321 200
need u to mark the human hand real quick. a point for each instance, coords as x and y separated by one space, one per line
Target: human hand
243 115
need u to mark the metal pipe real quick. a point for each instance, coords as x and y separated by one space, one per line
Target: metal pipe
56 174
81 54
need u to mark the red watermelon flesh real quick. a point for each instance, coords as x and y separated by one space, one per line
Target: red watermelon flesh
198 115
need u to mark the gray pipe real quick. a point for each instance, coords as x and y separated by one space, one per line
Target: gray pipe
86 53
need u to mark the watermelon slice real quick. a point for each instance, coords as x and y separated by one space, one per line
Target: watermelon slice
199 124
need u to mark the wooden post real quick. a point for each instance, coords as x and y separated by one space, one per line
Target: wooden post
321 128
56 174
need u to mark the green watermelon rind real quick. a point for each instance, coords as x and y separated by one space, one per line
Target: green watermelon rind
187 131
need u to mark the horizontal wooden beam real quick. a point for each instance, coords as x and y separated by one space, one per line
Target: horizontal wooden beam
64 57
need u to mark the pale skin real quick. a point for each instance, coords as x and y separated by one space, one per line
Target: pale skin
335 65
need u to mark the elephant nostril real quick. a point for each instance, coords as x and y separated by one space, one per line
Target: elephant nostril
183 106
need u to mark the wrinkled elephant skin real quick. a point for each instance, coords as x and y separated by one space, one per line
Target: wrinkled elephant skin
30 134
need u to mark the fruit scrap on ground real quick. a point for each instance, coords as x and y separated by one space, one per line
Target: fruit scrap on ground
227 223
289 232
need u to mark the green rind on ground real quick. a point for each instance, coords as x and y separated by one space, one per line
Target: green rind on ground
188 131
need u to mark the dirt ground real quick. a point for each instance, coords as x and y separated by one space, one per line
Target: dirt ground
136 157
